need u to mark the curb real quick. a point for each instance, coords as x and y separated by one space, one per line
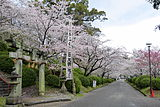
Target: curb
46 101
139 90
142 92
136 89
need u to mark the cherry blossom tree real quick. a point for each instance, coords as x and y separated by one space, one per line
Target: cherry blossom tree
46 27
8 11
141 59
90 54
115 63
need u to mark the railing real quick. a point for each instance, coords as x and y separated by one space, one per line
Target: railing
5 86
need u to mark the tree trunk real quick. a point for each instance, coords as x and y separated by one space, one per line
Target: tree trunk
103 74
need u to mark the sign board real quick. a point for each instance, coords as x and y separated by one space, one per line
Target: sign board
69 74
69 60
94 83
12 54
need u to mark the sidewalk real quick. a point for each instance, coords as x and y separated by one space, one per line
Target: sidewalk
58 97
30 96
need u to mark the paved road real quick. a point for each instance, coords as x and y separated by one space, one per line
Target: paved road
117 94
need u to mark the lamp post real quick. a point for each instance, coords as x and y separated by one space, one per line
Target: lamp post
149 62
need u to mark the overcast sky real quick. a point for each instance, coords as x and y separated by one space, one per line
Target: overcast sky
131 23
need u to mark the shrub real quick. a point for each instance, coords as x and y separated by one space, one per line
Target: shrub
138 80
6 64
4 54
3 46
78 70
105 80
12 49
78 84
144 83
97 79
134 79
84 80
129 79
53 80
100 80
28 77
69 85
47 72
76 74
156 83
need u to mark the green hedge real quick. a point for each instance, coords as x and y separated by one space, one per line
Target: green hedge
141 81
105 80
134 79
6 64
28 77
69 85
144 83
84 80
12 49
47 72
78 71
4 54
53 80
78 84
99 80
3 46
156 83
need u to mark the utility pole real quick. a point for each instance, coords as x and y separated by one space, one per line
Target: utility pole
149 62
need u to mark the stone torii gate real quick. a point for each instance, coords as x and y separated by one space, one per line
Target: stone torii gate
41 62
14 99
15 96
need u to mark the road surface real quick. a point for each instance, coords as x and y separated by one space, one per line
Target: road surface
116 94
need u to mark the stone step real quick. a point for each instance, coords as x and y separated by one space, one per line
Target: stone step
4 94
4 85
2 82
1 89
5 88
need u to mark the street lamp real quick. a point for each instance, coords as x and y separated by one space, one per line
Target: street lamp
149 60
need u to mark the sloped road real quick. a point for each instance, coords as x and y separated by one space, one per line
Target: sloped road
117 94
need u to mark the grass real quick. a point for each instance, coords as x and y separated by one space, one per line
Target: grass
79 95
2 101
86 90
146 91
89 89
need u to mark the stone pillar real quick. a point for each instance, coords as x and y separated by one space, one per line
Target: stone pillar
63 88
74 87
14 99
18 66
42 79
18 70
69 59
